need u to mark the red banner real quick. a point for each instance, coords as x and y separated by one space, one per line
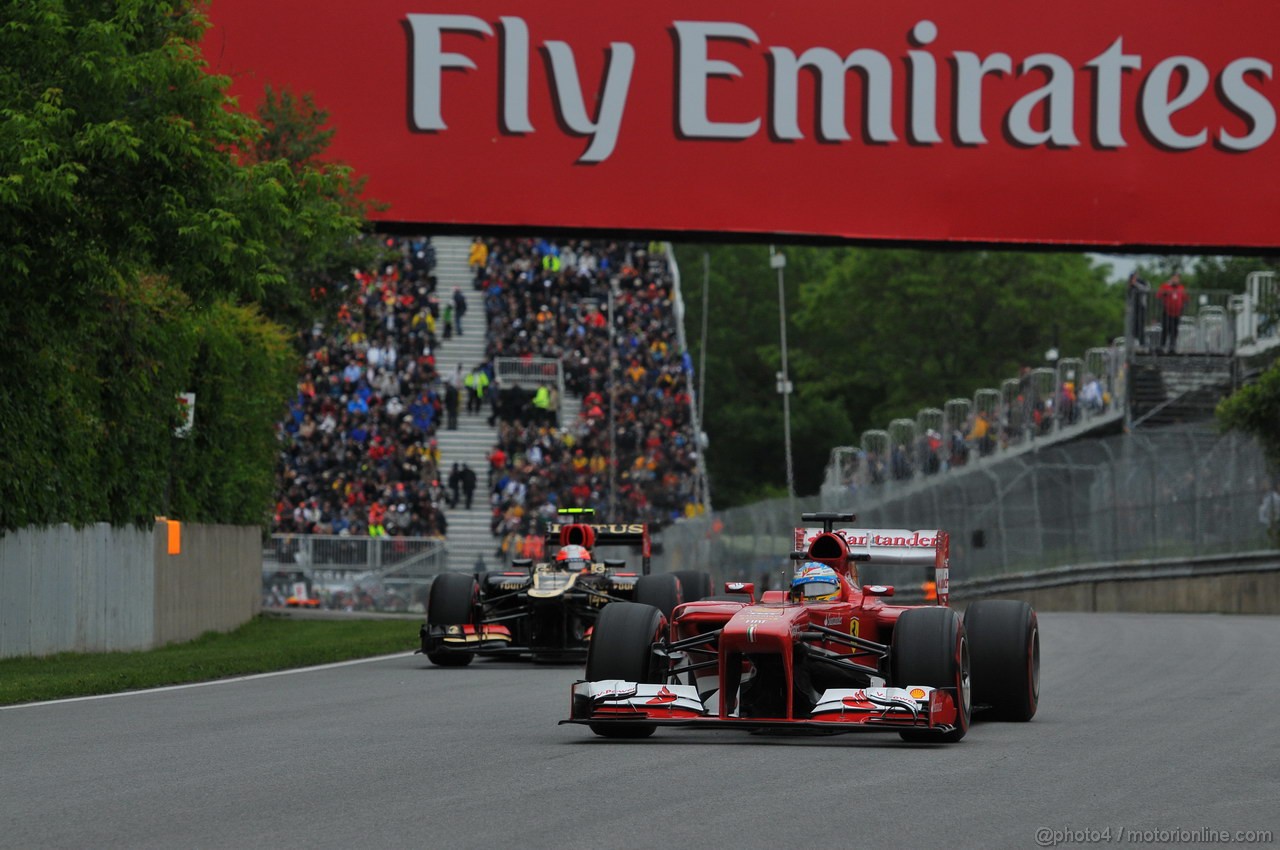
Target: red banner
1143 123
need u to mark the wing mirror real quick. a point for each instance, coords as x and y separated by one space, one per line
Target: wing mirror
878 590
746 588
525 564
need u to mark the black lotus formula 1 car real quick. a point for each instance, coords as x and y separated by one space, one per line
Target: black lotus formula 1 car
546 610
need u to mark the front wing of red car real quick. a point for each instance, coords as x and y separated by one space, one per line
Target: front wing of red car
837 710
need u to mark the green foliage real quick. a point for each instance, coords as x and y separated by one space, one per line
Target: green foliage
263 645
317 251
243 370
891 331
137 208
1255 410
1226 273
294 128
873 334
93 418
742 409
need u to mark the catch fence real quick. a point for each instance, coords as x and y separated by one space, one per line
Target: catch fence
384 573
1171 492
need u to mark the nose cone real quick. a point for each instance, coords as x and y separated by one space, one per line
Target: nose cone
757 628
754 631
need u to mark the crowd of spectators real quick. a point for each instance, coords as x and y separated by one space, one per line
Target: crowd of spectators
550 300
358 451
358 448
1025 413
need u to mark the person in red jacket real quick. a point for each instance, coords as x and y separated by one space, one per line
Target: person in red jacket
1173 298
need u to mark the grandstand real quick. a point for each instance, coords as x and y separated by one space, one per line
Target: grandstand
588 323
1121 387
470 444
579 410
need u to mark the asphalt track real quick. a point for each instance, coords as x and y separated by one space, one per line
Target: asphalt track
1147 722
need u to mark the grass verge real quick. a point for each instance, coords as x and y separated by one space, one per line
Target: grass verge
263 645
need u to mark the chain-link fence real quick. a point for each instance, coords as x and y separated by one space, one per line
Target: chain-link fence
361 573
1168 493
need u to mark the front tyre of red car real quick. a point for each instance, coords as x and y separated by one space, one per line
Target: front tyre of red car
452 603
930 648
1004 642
622 648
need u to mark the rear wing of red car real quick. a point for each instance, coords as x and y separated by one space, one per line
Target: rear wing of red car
634 534
892 546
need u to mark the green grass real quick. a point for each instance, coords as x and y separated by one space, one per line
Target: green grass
264 645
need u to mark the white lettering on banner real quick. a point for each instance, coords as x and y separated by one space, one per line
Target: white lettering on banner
604 130
970 70
515 76
696 68
1044 116
430 60
1109 67
1158 109
831 70
1261 114
1059 93
924 86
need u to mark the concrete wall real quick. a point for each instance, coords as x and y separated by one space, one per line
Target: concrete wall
1235 593
215 584
99 589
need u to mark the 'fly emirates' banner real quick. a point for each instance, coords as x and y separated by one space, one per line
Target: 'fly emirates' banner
1141 123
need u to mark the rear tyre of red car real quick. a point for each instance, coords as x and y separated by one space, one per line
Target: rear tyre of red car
452 603
663 591
695 585
1004 643
622 648
929 648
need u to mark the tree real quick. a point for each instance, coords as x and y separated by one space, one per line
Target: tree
890 331
873 334
135 210
1255 410
318 253
743 411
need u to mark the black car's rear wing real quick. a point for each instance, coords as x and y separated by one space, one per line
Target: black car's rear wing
602 534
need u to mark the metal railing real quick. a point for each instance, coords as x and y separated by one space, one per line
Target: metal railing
677 299
1078 395
530 373
1159 494
384 557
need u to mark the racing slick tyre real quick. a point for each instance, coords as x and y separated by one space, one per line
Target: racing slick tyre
663 591
930 648
695 585
452 603
622 648
1004 645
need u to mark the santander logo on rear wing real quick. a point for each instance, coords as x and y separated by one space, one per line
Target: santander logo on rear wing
896 546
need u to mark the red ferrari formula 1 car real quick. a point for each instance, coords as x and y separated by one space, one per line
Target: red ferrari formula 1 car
828 655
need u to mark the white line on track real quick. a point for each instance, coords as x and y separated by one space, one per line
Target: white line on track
332 666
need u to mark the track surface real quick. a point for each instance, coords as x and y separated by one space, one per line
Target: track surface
1146 722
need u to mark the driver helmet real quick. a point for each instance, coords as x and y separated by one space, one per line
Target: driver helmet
573 557
815 582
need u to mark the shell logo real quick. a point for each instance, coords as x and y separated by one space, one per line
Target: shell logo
916 693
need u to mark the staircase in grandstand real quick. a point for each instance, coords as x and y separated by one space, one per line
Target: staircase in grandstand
570 407
469 539
1170 389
